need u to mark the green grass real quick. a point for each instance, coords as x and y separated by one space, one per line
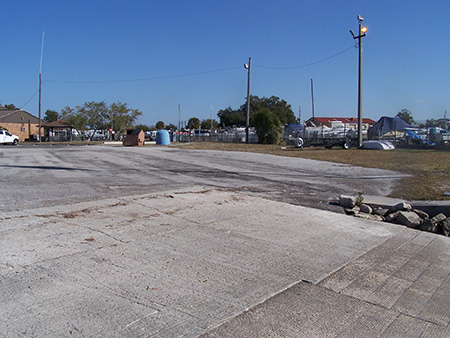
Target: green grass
429 170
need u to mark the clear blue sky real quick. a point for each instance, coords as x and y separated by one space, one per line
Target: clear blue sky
92 48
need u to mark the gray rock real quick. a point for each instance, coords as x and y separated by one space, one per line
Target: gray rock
380 212
422 214
392 217
346 201
351 211
362 215
427 225
446 226
438 218
400 207
409 218
376 217
365 209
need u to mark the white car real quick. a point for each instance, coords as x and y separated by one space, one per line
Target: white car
7 138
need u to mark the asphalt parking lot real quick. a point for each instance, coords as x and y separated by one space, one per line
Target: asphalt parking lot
160 242
44 175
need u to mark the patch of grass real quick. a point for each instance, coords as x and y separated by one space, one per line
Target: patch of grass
429 170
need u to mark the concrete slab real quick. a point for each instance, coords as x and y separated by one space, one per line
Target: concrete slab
168 264
382 201
155 241
375 295
307 310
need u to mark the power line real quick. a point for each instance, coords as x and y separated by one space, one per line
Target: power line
146 79
197 73
31 98
309 64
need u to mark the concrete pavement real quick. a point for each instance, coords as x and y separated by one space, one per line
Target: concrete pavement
159 242
400 288
180 263
44 175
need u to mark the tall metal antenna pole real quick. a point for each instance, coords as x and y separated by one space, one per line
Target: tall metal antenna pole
312 98
40 86
247 123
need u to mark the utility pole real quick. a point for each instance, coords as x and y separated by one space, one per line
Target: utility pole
40 87
247 123
362 32
112 127
210 117
312 98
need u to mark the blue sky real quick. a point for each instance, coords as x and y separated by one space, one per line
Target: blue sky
155 55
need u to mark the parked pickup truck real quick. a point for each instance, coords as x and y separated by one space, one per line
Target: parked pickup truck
6 137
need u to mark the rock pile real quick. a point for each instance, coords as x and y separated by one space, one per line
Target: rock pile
401 213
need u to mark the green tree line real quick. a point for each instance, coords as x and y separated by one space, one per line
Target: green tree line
268 115
97 116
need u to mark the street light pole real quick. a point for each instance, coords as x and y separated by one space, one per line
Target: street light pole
247 122
362 33
360 107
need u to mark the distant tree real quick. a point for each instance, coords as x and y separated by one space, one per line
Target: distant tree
229 117
206 124
406 116
171 126
10 107
279 108
97 115
441 123
121 117
193 123
51 115
268 127
159 125
100 116
75 117
143 127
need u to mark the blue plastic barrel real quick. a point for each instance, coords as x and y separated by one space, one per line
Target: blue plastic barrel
162 137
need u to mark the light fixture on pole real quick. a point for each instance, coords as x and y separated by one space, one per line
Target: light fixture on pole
247 121
362 33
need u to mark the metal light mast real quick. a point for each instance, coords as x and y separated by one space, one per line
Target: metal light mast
247 123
